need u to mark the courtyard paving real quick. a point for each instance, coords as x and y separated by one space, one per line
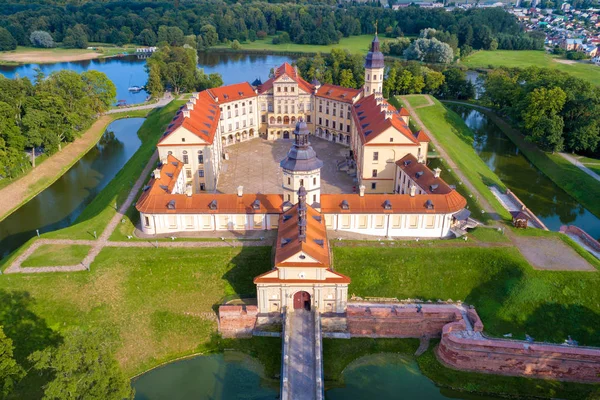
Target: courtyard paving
255 166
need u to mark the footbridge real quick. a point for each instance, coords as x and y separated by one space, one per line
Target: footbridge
302 356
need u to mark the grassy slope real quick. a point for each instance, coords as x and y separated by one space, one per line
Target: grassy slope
354 44
510 296
99 212
456 138
48 255
567 176
528 58
417 100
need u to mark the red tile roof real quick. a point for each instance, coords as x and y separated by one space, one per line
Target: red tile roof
422 175
339 278
202 121
372 119
400 203
290 71
333 92
422 136
238 91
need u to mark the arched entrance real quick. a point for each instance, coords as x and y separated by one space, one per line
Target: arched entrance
302 301
286 135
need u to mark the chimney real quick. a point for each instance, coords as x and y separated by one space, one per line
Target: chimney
379 100
163 160
361 190
217 99
384 106
436 172
188 190
195 95
413 190
189 105
186 113
388 114
240 191
157 173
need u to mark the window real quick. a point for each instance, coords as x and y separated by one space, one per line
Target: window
374 173
308 119
379 221
334 113
373 186
147 221
236 111
315 181
228 114
237 125
258 221
289 181
391 139
285 89
279 89
327 122
301 182
172 219
363 221
229 127
251 121
263 119
200 157
320 108
368 76
244 123
188 173
202 187
292 89
430 221
186 159
183 139
376 156
314 198
333 124
320 121
348 128
201 173
348 115
413 221
263 107
327 110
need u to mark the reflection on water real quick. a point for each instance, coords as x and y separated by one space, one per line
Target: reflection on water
231 375
551 204
390 376
61 203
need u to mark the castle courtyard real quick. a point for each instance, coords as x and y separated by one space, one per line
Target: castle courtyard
255 166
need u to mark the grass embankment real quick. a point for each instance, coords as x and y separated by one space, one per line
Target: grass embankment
457 139
56 254
510 296
98 213
35 55
581 186
49 169
532 58
591 163
354 44
417 100
159 303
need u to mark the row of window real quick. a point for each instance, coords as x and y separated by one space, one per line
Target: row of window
375 77
379 221
188 173
302 181
348 116
333 125
285 89
237 125
186 159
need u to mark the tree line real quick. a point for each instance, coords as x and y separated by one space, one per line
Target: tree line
140 22
554 109
40 117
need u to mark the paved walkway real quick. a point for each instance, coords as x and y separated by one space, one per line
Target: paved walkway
301 353
166 99
442 152
579 165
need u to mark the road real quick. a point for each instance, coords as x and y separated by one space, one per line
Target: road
161 103
301 364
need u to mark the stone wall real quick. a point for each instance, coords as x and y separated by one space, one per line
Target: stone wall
237 321
583 235
401 320
471 351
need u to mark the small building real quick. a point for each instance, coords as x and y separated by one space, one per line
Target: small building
519 219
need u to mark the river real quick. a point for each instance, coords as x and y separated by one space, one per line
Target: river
129 70
61 203
234 375
550 203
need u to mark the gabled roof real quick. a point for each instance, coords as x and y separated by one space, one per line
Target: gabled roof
422 175
286 69
422 136
237 91
399 203
373 115
272 276
169 172
202 120
289 244
334 92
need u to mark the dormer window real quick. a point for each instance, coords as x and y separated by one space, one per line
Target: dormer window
213 205
419 174
286 217
171 205
429 205
345 205
285 241
256 205
407 163
387 205
433 187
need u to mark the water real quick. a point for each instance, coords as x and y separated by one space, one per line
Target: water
231 375
129 71
390 376
61 203
550 203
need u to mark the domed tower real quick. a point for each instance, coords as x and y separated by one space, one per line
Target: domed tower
301 168
374 69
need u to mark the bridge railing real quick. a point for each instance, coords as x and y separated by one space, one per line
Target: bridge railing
285 350
319 384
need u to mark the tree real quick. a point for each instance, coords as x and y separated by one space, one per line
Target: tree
235 45
10 372
7 41
170 34
83 367
347 79
433 80
541 119
41 39
429 50
147 37
209 35
101 90
154 85
76 37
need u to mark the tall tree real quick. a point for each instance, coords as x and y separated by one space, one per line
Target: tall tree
541 119
7 41
10 372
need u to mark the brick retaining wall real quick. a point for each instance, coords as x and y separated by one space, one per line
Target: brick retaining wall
472 351
583 235
237 321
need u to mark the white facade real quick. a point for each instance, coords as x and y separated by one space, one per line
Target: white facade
152 224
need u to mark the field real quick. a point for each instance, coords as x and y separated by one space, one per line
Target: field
27 55
509 295
456 138
56 254
591 163
531 58
354 44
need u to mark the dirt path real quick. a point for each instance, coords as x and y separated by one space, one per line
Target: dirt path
28 186
579 165
484 203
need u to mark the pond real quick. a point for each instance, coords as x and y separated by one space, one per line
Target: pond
550 203
230 375
61 203
129 70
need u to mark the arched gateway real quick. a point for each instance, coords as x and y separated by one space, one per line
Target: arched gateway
302 301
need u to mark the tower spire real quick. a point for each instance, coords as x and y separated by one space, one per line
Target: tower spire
376 22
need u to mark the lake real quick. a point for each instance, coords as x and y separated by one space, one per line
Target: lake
61 203
550 203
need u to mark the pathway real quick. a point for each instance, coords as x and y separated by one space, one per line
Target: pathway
166 99
300 359
442 152
579 165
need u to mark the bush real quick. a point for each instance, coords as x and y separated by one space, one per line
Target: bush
235 45
7 41
41 39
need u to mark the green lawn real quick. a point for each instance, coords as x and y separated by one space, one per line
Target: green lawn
354 44
417 100
49 255
159 303
531 58
457 139
567 176
509 295
591 163
98 213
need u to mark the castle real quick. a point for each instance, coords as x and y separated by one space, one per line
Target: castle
398 196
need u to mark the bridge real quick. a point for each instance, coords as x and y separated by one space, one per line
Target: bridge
302 356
